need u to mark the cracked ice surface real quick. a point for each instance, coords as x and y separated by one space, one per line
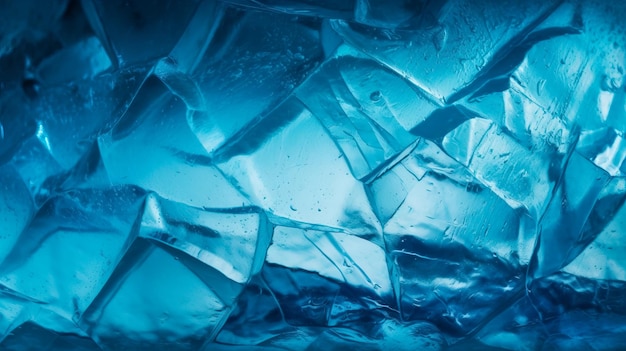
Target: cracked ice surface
280 175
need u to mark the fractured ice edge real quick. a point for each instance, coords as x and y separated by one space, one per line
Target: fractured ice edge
312 175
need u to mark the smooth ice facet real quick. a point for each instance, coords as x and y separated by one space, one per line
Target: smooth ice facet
368 109
452 52
71 247
292 144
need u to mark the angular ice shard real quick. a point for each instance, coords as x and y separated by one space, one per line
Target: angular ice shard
605 257
137 31
144 301
251 65
394 14
392 335
473 243
368 109
323 8
398 14
21 21
352 285
583 205
49 133
155 130
257 319
233 242
211 254
466 38
290 166
71 247
83 60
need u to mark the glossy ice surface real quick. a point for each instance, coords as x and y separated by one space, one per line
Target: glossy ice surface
271 175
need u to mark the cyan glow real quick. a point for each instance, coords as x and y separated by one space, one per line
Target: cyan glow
277 175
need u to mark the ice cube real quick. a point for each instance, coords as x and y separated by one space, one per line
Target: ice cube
291 167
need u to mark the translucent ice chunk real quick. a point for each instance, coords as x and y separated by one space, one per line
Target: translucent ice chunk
234 242
604 258
258 320
14 129
386 14
156 26
144 299
474 242
24 19
71 247
252 64
579 77
447 47
14 312
533 126
514 328
84 59
154 127
270 161
581 207
606 148
368 109
341 257
579 312
391 335
328 279
495 158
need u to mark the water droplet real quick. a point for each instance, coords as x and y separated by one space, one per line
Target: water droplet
540 84
375 96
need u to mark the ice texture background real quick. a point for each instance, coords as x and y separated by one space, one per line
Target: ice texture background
268 175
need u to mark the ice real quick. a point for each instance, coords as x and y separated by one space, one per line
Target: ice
604 259
257 320
84 59
70 248
243 76
137 31
448 60
494 158
398 14
287 175
582 206
144 301
38 338
392 335
425 231
340 257
323 8
27 20
234 242
577 78
289 143
155 129
371 110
